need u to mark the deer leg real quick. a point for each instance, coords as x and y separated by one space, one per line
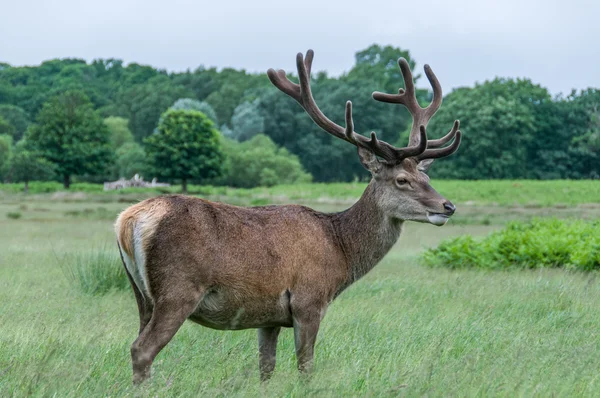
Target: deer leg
267 349
306 327
167 318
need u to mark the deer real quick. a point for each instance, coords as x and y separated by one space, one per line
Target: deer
271 267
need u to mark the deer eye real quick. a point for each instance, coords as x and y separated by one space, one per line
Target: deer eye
401 181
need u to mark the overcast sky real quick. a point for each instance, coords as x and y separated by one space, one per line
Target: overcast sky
555 43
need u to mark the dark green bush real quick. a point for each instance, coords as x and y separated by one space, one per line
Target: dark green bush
541 243
260 162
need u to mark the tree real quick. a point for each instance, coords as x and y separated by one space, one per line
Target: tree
5 152
247 121
119 132
497 130
185 146
27 165
16 117
6 128
71 135
146 102
189 104
259 162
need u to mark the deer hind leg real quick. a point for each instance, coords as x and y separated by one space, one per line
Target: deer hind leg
167 318
267 350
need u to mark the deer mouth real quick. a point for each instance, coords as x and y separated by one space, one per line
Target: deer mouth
438 219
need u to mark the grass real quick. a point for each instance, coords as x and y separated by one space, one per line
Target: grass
402 330
94 272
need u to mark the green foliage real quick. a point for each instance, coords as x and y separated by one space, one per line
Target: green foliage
521 129
186 146
119 131
259 162
131 160
189 104
146 102
6 128
72 136
95 272
5 153
16 117
247 121
14 215
542 243
513 129
28 165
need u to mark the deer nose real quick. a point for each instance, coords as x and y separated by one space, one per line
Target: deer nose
450 208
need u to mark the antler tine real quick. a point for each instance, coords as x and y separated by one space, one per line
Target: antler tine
279 80
349 123
445 139
405 96
442 152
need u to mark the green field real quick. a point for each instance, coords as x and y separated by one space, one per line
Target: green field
530 193
405 329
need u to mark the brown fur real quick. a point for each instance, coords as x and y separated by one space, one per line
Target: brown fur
230 268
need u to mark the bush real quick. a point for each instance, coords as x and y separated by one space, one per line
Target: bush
14 215
259 162
130 160
571 244
95 272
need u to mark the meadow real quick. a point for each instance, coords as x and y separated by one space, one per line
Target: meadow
403 330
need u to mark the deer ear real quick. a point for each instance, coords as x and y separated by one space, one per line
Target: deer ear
424 165
369 160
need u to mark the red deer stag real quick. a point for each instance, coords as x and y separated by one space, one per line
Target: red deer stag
231 268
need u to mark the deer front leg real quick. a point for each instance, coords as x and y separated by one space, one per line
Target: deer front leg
306 328
267 351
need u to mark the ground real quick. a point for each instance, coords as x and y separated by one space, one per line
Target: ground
404 329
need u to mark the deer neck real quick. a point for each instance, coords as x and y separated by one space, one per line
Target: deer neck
365 233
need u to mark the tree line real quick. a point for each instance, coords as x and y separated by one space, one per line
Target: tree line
91 121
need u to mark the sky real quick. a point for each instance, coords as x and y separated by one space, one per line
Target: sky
554 43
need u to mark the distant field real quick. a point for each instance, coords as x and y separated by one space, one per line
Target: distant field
529 193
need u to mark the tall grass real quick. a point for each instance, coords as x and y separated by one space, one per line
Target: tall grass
95 272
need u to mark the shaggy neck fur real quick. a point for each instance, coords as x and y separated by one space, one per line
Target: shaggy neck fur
366 233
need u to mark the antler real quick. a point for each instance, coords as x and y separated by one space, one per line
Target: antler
303 95
421 116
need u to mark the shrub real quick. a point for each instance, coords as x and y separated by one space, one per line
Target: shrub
95 272
259 162
541 243
14 215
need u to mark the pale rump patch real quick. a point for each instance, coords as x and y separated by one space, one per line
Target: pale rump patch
134 227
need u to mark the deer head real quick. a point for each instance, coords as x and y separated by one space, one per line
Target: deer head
400 183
